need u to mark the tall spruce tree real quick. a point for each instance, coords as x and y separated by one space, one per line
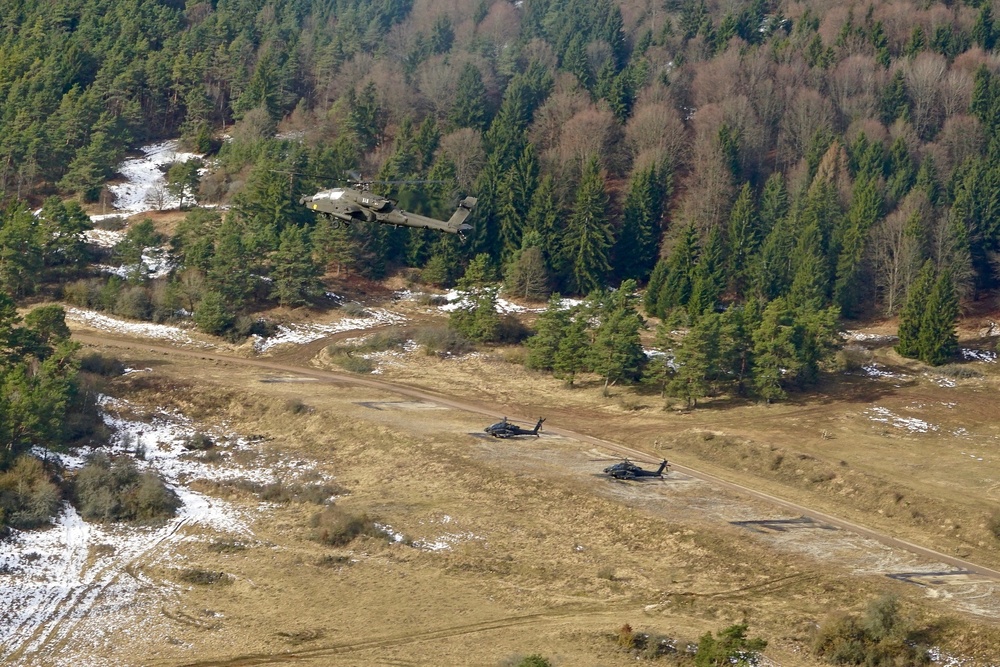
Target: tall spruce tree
295 274
635 248
744 239
697 359
678 282
912 313
616 353
938 341
588 234
571 355
709 277
866 208
550 328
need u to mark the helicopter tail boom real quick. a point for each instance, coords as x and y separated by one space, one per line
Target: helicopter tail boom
457 221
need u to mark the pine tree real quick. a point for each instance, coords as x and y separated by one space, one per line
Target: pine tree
295 274
571 356
653 287
470 108
809 285
865 211
743 241
773 203
635 249
519 188
230 274
550 328
709 277
937 341
588 234
545 217
912 313
678 283
697 359
616 353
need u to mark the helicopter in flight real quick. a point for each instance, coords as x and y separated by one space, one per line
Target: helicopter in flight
350 204
504 429
627 470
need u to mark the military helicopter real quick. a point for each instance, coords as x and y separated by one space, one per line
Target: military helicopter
504 429
627 470
357 204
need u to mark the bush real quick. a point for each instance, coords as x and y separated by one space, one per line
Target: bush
354 309
993 525
882 636
113 224
337 528
354 364
133 303
98 364
534 660
117 491
959 371
199 442
28 498
442 340
203 577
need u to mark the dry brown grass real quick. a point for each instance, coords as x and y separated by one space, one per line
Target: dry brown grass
536 525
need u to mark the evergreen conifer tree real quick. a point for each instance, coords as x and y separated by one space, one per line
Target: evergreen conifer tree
743 241
677 284
938 342
550 328
912 313
295 274
709 277
588 233
571 355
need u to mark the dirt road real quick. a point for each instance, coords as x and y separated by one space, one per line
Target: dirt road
492 410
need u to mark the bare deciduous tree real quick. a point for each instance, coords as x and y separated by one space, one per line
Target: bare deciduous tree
896 249
657 127
808 113
924 75
465 149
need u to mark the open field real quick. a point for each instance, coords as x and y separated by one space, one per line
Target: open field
502 548
517 547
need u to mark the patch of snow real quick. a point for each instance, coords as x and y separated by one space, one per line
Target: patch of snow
943 381
144 175
142 329
298 334
911 424
874 370
461 299
394 536
938 657
51 580
861 336
105 238
969 354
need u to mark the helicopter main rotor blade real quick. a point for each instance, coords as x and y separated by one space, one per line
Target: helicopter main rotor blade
327 177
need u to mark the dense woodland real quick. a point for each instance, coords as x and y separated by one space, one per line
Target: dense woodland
759 170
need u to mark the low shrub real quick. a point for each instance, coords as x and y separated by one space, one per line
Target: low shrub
337 527
201 577
116 491
297 407
226 547
102 365
199 442
442 340
28 498
882 636
959 371
354 309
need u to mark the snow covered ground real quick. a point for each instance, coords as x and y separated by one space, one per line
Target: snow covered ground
139 329
911 424
298 334
144 178
85 579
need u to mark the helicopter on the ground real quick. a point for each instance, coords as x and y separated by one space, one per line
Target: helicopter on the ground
504 429
628 470
345 205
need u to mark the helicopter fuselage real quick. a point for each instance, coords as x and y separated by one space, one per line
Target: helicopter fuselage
349 205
